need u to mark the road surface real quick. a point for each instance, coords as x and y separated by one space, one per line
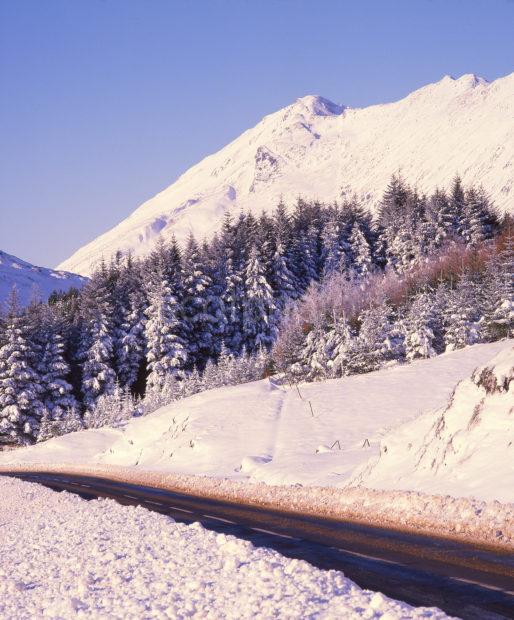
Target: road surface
470 582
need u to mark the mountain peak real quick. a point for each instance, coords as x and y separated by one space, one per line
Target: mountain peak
317 149
468 80
319 106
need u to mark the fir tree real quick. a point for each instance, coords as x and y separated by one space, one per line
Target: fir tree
21 409
164 332
98 376
259 310
420 337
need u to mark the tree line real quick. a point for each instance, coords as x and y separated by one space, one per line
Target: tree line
140 325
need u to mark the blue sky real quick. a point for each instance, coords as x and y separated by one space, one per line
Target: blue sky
103 103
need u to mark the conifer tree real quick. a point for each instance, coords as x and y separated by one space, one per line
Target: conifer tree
420 337
164 332
21 409
259 310
362 263
96 347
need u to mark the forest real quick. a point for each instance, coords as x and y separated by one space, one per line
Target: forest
310 292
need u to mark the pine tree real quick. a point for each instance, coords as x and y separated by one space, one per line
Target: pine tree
462 315
53 370
374 345
478 220
164 332
198 302
259 310
96 348
420 337
282 280
21 409
362 263
457 204
499 288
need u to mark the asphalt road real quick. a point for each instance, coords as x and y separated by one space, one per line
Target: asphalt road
470 582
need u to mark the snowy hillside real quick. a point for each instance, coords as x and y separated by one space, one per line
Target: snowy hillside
26 276
318 149
262 432
467 446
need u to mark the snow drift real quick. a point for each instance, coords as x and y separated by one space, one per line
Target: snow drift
466 447
318 149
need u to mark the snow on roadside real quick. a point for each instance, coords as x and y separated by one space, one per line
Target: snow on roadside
466 519
64 557
468 444
261 433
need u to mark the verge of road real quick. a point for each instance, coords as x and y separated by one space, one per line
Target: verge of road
486 525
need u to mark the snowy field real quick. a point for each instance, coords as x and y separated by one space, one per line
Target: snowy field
64 557
260 432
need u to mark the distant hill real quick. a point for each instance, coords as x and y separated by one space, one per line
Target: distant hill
28 277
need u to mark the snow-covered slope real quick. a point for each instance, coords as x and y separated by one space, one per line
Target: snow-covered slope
28 277
318 149
261 432
466 447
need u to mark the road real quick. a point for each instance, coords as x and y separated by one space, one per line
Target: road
466 581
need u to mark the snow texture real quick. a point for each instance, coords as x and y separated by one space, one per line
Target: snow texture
28 278
63 557
319 150
267 435
469 444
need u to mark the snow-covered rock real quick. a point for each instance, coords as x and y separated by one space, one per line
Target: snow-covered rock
318 149
27 278
466 447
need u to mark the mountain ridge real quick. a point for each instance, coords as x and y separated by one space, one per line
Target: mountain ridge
30 279
323 150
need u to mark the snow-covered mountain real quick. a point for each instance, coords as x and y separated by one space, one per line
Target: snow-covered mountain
29 278
318 149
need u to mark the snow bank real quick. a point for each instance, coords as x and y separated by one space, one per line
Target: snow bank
259 432
64 557
466 447
466 519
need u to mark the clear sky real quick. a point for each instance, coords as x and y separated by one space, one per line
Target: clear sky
103 103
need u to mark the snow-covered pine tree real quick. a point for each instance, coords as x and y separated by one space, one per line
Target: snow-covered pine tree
457 204
362 263
373 347
198 300
419 336
440 218
259 310
21 409
164 333
333 256
462 314
342 343
96 347
232 253
478 220
53 371
282 279
499 287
